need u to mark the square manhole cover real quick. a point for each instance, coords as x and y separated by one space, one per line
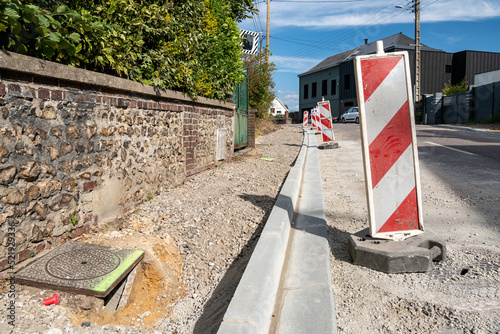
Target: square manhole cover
81 268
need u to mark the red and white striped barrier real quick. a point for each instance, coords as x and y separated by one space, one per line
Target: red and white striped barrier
389 145
316 118
326 121
313 119
319 119
305 121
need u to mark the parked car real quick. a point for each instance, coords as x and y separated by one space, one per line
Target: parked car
351 115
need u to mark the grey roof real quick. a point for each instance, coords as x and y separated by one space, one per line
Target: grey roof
396 41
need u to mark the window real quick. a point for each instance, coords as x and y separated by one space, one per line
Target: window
324 87
314 89
347 81
447 69
306 92
334 87
273 110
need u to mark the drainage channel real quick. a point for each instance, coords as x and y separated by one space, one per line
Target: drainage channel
286 286
304 300
280 294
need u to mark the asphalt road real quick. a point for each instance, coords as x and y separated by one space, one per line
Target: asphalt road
460 178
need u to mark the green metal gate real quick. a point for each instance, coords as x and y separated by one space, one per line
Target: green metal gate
240 99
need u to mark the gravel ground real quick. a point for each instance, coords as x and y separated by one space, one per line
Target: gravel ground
460 295
198 238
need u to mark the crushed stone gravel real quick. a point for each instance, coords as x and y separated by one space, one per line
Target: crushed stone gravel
214 220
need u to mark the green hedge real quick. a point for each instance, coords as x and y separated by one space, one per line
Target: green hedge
191 46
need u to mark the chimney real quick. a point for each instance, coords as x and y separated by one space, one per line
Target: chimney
366 41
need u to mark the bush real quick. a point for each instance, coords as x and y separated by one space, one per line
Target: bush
260 84
191 46
450 89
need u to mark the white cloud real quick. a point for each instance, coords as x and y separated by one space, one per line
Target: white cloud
294 64
290 98
463 10
375 12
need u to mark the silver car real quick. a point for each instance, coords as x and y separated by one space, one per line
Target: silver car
351 115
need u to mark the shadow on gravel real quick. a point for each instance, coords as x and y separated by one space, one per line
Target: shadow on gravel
337 240
216 306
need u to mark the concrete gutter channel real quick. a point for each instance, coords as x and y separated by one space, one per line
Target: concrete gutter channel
286 287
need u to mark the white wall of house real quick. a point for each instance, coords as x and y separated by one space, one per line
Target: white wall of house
486 78
277 108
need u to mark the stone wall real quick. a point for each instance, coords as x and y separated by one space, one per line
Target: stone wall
78 148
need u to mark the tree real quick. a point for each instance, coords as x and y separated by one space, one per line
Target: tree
242 9
260 83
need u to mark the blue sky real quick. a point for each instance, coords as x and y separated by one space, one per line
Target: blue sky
305 32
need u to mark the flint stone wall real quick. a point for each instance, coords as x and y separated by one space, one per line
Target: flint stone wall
78 148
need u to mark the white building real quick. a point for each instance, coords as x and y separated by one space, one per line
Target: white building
486 78
278 108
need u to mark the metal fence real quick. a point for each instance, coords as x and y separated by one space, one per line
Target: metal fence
477 105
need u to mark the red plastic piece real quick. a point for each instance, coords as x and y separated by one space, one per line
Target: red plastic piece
52 300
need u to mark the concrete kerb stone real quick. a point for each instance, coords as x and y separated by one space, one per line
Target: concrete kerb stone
281 216
312 211
250 310
237 328
309 263
307 310
254 298
308 305
309 206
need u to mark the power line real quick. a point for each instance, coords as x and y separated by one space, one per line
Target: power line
429 4
294 42
327 43
260 20
338 38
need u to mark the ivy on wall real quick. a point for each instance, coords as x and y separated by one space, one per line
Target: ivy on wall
191 46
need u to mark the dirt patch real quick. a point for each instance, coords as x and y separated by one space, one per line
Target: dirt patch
265 126
156 288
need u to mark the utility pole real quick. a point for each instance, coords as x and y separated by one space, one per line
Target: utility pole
267 31
417 49
415 9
